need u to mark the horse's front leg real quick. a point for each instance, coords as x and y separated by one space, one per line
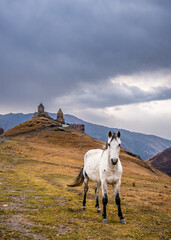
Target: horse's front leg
116 189
97 189
104 200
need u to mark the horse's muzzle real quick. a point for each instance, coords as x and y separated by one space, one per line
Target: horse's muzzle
114 161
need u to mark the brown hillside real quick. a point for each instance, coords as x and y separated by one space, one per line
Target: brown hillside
162 161
47 132
32 125
36 164
68 142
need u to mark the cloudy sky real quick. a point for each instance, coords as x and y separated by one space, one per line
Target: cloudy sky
105 61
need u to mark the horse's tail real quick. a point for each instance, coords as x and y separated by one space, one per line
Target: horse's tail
78 180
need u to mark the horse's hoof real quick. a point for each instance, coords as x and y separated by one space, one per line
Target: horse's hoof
123 221
104 221
98 210
83 208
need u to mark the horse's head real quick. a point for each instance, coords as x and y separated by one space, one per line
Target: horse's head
114 144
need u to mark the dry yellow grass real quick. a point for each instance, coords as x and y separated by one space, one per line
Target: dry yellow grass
31 125
37 204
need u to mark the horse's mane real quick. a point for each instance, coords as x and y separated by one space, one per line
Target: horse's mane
105 146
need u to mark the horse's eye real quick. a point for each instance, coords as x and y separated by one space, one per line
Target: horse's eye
119 145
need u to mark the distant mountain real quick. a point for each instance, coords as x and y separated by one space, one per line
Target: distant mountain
10 120
162 161
143 145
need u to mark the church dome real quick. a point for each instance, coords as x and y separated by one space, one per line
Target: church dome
41 105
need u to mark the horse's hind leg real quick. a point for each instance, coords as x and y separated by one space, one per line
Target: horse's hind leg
118 202
85 192
97 189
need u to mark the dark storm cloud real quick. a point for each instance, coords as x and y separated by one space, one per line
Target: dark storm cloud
49 47
113 94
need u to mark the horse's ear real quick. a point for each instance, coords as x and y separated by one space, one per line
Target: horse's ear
110 134
118 134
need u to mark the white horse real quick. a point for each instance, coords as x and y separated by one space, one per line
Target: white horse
103 167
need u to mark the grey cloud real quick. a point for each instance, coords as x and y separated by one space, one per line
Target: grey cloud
112 95
49 47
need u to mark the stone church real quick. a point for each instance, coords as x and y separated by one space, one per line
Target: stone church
41 112
60 118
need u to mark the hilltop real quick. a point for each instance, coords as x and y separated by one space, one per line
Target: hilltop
34 124
143 145
37 163
162 161
49 129
38 128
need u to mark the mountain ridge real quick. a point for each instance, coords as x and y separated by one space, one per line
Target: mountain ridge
48 131
143 145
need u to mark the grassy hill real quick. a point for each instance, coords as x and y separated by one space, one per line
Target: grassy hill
34 124
143 145
162 161
35 202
